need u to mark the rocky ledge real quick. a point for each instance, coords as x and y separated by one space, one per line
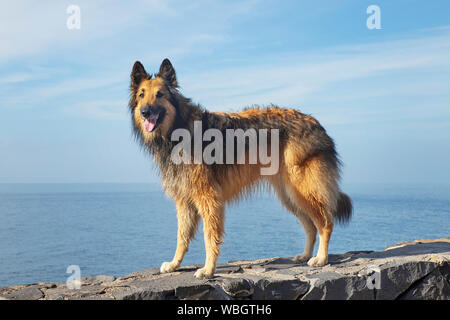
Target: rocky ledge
409 270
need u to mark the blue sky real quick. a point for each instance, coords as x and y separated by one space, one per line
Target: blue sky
383 95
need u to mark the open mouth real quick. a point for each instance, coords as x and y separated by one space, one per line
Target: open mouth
150 123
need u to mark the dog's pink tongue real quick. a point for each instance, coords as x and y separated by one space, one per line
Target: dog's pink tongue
149 124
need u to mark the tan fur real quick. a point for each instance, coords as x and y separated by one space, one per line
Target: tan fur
151 87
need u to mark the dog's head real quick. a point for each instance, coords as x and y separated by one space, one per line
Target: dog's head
153 100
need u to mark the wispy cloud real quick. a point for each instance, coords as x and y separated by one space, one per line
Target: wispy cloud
293 79
298 78
16 78
29 27
288 78
76 85
101 110
32 28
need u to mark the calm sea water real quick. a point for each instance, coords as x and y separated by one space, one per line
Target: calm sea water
116 229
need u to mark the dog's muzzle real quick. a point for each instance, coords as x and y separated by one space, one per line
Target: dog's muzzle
150 118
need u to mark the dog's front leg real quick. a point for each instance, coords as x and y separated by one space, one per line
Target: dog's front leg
188 219
212 213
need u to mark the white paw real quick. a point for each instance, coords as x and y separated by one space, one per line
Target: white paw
167 267
302 258
317 261
203 274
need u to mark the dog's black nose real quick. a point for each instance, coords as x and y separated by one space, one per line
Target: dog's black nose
146 112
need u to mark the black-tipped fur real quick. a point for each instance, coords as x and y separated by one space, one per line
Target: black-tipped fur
344 210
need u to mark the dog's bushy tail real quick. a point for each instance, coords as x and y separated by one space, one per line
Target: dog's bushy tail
344 209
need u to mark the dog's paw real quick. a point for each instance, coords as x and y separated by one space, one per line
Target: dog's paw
167 267
317 261
302 258
203 274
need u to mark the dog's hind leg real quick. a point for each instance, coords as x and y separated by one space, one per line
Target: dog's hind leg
188 219
314 218
311 235
316 192
310 230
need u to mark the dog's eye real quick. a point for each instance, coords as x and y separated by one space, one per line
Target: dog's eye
142 95
159 94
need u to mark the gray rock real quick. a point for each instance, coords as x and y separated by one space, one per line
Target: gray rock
335 286
434 286
27 293
142 273
237 287
98 279
397 278
270 289
228 269
410 270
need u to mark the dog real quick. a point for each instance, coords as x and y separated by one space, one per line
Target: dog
306 180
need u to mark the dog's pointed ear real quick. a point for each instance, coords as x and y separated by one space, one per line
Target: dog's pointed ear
167 72
137 75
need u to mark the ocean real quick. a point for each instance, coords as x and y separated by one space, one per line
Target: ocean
116 229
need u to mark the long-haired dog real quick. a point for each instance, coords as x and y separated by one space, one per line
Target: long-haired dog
306 182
